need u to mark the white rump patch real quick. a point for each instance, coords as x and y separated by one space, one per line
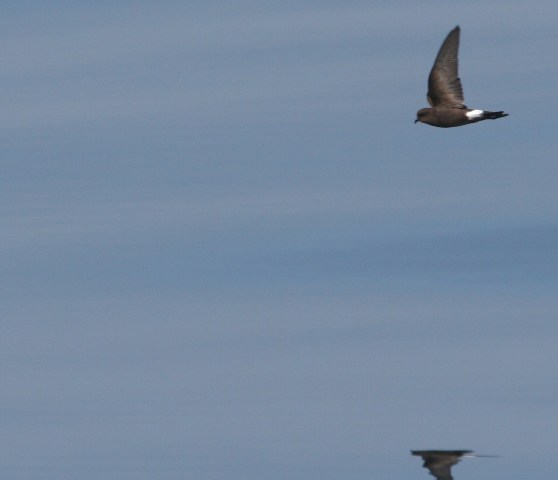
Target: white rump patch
474 114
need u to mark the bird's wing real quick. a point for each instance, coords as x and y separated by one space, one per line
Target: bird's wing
439 462
444 85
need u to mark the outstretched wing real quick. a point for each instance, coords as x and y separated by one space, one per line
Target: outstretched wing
444 85
439 462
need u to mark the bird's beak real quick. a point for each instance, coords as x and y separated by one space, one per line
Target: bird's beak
416 120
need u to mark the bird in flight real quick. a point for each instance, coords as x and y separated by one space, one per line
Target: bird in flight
439 462
445 93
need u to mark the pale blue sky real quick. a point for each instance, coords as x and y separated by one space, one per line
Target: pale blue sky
228 252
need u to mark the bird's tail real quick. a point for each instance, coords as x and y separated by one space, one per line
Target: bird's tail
494 115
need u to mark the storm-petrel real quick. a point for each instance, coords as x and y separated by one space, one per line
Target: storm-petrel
445 93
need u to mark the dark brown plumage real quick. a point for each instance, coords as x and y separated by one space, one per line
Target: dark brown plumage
439 462
445 92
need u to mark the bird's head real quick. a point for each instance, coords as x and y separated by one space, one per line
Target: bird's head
422 114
